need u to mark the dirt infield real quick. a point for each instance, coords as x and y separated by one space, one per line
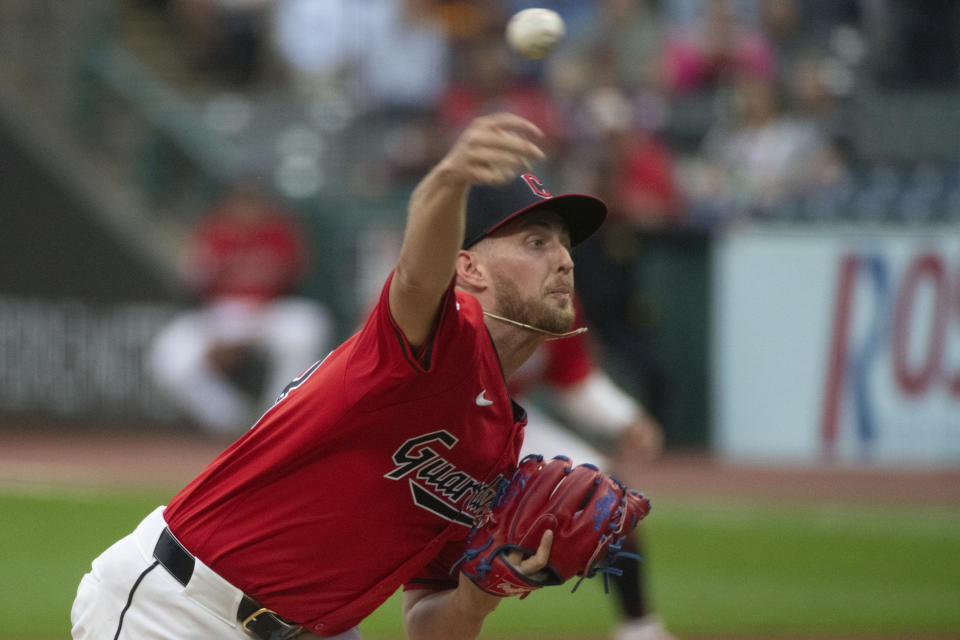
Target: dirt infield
85 458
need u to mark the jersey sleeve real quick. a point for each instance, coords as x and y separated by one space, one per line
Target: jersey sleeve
421 359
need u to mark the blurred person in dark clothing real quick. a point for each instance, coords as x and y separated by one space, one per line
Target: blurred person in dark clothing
757 157
618 155
573 406
635 170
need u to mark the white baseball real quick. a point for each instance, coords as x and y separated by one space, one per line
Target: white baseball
535 32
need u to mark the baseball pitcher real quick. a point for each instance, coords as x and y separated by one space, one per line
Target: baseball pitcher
394 460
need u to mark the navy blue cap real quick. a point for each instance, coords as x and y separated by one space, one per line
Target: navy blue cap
490 207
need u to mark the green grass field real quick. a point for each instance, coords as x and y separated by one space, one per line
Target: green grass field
734 569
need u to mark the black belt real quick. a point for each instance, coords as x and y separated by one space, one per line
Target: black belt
256 620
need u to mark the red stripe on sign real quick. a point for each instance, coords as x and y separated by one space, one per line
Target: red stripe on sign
836 373
915 381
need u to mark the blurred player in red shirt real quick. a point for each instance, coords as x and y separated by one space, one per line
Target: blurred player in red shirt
603 425
244 260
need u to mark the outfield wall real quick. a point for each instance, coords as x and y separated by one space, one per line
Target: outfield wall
837 344
70 358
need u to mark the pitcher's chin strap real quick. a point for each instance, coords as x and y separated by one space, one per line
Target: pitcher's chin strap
553 334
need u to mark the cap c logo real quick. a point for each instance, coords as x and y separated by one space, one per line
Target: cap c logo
535 185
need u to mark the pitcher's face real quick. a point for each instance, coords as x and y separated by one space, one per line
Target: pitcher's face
532 271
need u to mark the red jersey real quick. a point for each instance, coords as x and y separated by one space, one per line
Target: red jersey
262 259
371 462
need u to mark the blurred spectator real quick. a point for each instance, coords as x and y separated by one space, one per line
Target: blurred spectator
405 66
386 55
639 175
619 45
625 163
682 14
226 35
818 46
620 157
634 35
485 83
758 156
385 62
798 25
315 41
782 22
608 276
717 45
819 90
245 259
813 89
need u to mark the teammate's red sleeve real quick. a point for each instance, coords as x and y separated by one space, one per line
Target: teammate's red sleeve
569 360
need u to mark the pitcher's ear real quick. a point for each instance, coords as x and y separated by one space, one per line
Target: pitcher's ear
471 273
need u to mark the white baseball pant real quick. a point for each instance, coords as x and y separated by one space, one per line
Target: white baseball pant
292 332
127 596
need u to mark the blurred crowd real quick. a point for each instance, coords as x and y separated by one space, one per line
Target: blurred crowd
678 112
685 116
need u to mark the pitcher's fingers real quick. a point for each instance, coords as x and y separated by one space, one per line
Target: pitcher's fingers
498 160
515 123
504 142
541 558
490 175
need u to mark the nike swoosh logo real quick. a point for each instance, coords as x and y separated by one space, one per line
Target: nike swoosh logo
482 400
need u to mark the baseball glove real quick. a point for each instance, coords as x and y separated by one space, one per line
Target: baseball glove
589 512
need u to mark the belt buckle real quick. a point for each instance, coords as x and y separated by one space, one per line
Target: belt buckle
253 617
286 630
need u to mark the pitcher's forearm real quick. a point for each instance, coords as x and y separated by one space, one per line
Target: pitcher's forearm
434 232
454 614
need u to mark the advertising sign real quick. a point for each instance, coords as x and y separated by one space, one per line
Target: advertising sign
838 345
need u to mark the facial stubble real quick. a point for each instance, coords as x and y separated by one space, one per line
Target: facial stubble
536 312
